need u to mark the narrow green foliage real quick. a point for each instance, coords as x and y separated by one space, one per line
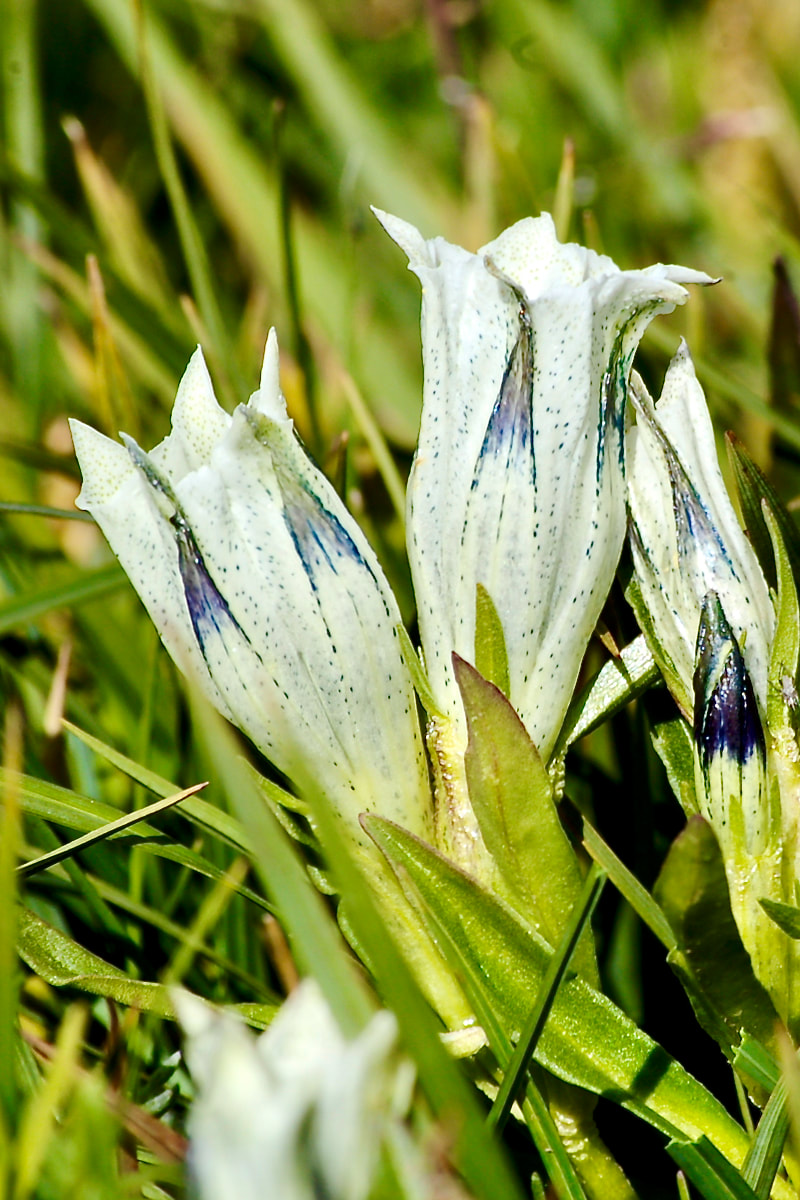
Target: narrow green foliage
9 840
491 655
711 1173
61 961
764 1156
628 886
757 1063
105 831
313 935
674 744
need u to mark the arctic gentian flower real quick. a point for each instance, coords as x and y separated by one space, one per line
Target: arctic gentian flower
296 1113
266 593
516 484
685 536
706 610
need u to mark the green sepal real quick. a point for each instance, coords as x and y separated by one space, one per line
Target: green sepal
587 1039
785 651
785 916
709 957
512 798
618 681
679 687
417 672
491 654
753 489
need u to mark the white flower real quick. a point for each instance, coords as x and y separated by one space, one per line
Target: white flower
296 1113
266 593
516 484
685 536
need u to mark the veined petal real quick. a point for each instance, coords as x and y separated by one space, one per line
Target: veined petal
685 536
265 591
516 483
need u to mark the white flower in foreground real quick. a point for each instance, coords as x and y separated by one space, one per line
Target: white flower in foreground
685 536
266 593
516 484
294 1114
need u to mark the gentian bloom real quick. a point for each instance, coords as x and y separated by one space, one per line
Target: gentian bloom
266 594
516 483
296 1113
707 612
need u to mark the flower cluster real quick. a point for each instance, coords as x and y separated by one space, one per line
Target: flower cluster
539 448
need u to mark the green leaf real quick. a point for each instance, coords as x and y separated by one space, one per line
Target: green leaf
512 797
709 958
559 964
206 816
62 962
417 672
318 946
627 885
491 654
587 1039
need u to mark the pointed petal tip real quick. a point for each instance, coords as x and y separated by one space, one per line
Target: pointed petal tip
406 235
104 465
269 399
271 365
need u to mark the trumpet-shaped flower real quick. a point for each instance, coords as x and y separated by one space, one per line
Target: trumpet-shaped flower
516 484
685 536
266 593
294 1114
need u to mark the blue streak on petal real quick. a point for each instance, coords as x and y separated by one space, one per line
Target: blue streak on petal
726 718
509 433
697 536
208 610
320 539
